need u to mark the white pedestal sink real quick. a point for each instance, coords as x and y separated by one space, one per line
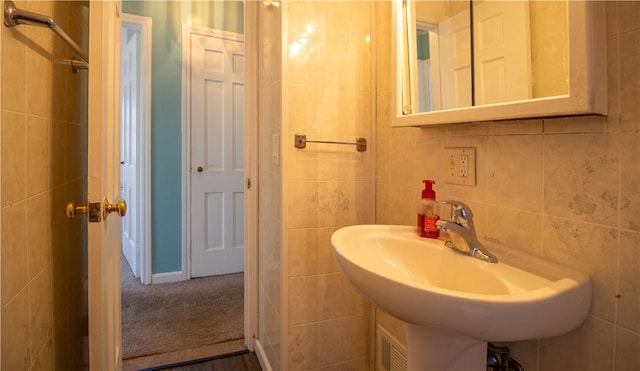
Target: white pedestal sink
454 304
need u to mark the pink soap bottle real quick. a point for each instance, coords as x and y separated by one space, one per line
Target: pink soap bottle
427 212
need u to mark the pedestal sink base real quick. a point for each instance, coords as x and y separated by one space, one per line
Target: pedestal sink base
432 349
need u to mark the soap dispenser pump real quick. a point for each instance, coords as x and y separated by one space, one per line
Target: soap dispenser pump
427 212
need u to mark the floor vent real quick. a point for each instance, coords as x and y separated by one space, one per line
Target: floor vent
391 355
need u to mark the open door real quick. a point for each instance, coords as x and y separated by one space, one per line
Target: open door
103 144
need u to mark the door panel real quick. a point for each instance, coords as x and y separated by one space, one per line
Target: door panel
217 155
455 54
503 62
104 182
130 121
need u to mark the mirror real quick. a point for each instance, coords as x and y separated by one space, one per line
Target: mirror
479 60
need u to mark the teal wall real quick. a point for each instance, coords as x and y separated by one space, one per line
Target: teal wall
166 112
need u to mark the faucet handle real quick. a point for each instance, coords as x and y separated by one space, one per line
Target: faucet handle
458 209
460 213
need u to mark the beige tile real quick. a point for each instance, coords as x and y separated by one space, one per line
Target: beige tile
628 296
514 228
13 157
310 252
383 160
581 177
404 163
330 69
304 352
515 171
590 347
76 102
343 339
327 204
360 64
14 254
14 75
336 298
383 113
322 20
613 82
74 159
612 18
57 149
16 347
59 222
630 181
360 114
325 162
61 283
38 81
59 99
628 14
38 233
360 25
588 248
395 205
60 12
37 155
303 304
303 252
41 310
629 77
430 162
44 361
627 355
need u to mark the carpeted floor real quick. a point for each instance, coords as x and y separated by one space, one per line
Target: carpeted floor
177 316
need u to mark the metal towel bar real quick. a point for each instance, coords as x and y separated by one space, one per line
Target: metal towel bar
14 17
301 142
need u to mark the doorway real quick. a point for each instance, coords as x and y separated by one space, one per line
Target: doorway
136 137
135 146
213 150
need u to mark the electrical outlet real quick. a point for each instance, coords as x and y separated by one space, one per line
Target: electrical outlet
462 165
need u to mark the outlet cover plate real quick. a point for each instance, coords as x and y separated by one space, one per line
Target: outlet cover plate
457 156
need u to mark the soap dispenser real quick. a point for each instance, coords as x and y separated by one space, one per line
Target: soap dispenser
427 212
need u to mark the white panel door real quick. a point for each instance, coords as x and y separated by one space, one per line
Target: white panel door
130 119
455 61
502 58
103 168
217 155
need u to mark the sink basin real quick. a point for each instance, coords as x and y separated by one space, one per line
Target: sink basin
448 297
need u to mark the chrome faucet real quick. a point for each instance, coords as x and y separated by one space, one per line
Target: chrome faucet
463 232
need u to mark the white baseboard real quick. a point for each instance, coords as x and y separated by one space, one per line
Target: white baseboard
262 357
167 277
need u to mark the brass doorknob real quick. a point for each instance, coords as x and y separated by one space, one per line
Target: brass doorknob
96 211
200 169
72 210
91 209
120 207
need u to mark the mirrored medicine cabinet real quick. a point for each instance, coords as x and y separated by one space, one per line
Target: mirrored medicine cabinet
483 60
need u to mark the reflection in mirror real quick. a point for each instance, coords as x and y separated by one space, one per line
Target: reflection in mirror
520 52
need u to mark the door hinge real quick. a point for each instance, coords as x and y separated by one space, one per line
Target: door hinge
248 183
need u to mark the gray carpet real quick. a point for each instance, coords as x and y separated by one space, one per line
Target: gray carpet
179 316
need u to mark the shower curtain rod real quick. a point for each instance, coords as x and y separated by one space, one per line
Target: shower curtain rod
14 17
